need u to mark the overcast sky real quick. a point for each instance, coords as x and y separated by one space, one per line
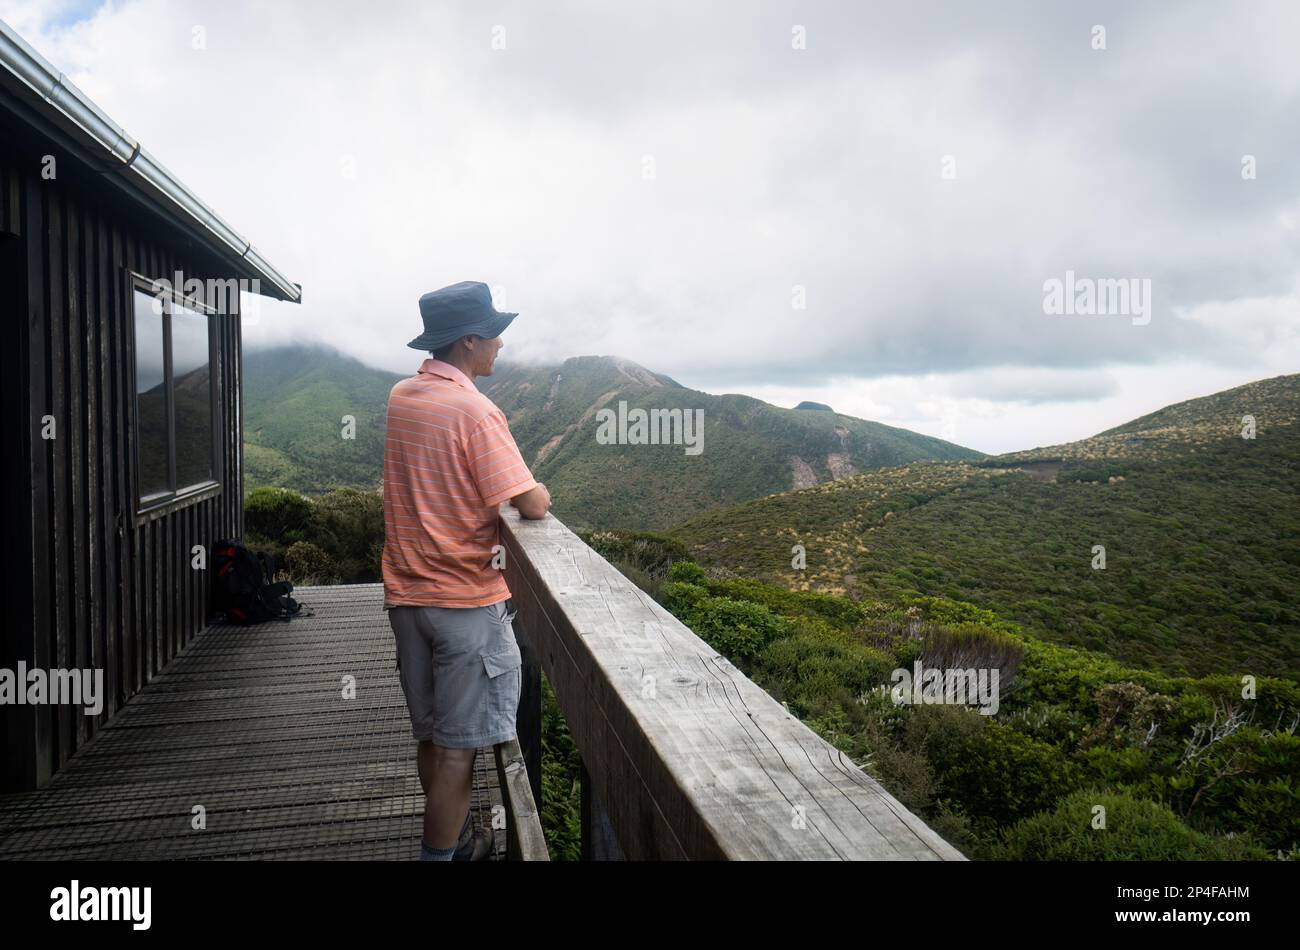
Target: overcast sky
656 183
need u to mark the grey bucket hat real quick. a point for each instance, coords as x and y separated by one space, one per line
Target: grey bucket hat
456 311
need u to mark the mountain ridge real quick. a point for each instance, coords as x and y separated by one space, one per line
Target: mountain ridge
752 448
296 398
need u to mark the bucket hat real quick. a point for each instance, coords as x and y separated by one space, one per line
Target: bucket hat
458 310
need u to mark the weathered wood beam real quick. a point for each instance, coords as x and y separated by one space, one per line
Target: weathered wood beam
524 838
690 759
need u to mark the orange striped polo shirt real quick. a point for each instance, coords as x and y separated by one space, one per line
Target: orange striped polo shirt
449 462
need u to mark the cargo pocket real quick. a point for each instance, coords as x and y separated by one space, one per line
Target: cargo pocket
503 670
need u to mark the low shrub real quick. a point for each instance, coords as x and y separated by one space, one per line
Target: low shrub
1135 830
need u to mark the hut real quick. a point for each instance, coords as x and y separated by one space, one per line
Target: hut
119 290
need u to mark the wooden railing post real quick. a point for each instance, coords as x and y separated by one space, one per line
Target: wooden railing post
525 840
598 841
528 720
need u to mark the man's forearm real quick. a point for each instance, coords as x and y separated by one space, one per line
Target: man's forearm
533 503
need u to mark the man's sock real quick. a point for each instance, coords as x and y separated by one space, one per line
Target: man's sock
429 853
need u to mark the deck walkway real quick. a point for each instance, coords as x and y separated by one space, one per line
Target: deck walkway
251 724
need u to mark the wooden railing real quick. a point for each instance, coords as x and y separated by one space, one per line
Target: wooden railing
683 757
523 826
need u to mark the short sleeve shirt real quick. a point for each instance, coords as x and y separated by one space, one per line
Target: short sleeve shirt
449 462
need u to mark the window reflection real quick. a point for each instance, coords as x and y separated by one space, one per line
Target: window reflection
174 404
150 396
192 390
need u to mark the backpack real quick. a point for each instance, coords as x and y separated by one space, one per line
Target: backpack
243 589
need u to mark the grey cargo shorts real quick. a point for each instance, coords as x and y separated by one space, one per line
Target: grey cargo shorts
460 671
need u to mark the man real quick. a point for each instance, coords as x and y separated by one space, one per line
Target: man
449 462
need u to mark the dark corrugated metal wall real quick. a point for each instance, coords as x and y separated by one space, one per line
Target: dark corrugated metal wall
104 590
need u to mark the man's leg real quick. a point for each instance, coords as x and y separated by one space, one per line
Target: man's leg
446 776
467 647
439 768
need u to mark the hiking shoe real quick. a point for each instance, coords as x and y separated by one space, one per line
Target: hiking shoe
477 845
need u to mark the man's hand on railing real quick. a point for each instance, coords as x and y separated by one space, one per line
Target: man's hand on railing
533 503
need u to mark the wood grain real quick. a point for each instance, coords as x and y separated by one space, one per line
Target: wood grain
690 759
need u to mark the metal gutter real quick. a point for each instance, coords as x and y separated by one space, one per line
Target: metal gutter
128 158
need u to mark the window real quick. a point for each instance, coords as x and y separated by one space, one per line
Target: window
175 396
192 393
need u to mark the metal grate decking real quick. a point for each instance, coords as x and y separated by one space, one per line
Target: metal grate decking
250 723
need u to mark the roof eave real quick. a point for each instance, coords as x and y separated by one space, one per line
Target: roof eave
108 144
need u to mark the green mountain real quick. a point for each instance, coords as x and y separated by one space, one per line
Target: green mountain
1200 526
295 399
749 448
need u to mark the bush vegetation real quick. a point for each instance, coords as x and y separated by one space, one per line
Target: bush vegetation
335 538
1202 546
1184 767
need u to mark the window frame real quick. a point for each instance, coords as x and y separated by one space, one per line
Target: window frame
149 507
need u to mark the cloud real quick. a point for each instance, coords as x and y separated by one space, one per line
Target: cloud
1252 330
665 182
1034 386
